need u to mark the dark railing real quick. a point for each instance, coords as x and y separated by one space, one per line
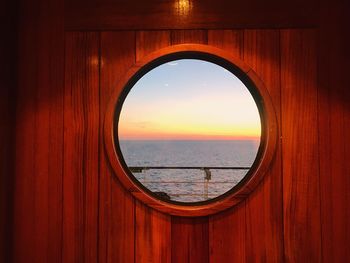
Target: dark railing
139 169
207 176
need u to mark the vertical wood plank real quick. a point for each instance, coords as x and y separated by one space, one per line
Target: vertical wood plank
48 140
55 170
25 121
193 230
39 135
334 121
149 41
189 240
227 235
117 207
24 171
189 36
301 197
8 76
55 40
153 229
265 204
152 235
81 148
334 126
229 40
227 230
40 163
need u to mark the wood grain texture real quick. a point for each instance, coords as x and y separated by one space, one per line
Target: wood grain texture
81 148
264 207
149 41
334 125
227 230
227 235
37 222
191 14
87 215
189 36
229 40
152 234
117 206
24 171
152 228
189 241
301 198
49 137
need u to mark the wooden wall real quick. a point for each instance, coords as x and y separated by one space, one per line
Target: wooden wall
68 206
8 70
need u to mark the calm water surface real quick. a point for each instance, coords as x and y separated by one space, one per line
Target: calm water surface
189 185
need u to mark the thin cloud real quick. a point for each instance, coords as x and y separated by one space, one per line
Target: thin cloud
173 63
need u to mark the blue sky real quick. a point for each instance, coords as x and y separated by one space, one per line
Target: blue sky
189 99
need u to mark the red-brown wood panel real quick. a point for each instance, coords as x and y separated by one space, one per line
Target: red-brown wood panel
229 40
8 76
264 207
149 41
227 230
67 204
152 234
7 109
334 127
189 36
49 138
193 231
227 235
189 240
117 206
37 222
152 228
24 170
40 164
23 229
301 196
334 120
81 148
189 14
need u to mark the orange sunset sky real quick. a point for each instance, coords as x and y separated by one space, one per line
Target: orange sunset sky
189 100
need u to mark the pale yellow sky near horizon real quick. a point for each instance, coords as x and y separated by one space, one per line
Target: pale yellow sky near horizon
189 99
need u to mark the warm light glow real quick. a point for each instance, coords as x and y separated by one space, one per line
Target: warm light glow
183 7
94 60
189 99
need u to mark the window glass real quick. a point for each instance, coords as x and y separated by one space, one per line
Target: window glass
188 130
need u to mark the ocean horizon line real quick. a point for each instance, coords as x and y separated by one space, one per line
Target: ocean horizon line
239 139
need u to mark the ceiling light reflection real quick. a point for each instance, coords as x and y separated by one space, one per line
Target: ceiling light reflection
183 7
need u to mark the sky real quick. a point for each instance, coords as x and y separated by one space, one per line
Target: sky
189 99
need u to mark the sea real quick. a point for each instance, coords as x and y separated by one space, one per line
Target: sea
189 185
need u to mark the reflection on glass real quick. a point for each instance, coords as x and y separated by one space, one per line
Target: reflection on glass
189 130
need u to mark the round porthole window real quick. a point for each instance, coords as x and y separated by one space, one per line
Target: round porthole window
190 130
